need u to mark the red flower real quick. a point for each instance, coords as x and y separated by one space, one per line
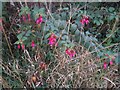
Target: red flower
67 51
29 19
111 62
71 53
52 40
24 18
39 20
23 46
105 65
84 20
33 44
18 46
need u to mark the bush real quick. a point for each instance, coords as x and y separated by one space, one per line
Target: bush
71 45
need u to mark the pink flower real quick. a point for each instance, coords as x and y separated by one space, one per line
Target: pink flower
24 18
39 20
105 65
67 51
84 20
52 40
29 19
111 62
18 46
33 44
71 53
23 46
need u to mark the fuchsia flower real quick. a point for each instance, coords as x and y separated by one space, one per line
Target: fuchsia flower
52 40
33 44
29 19
84 20
24 18
105 65
39 20
111 62
18 46
71 53
23 46
67 51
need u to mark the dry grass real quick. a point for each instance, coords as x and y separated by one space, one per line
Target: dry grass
81 72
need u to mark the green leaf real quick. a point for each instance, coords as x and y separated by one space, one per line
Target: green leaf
111 17
71 45
100 54
77 32
63 16
20 35
47 35
101 21
97 22
87 33
42 10
65 8
73 27
56 16
117 59
65 37
17 42
28 33
24 38
62 43
62 24
111 9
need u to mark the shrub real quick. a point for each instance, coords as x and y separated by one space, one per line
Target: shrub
73 45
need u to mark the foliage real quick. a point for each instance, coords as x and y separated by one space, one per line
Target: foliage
62 46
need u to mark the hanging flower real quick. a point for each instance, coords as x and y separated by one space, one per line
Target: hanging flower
67 51
52 40
29 19
71 53
39 20
24 18
111 62
18 46
84 20
23 46
105 65
33 44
